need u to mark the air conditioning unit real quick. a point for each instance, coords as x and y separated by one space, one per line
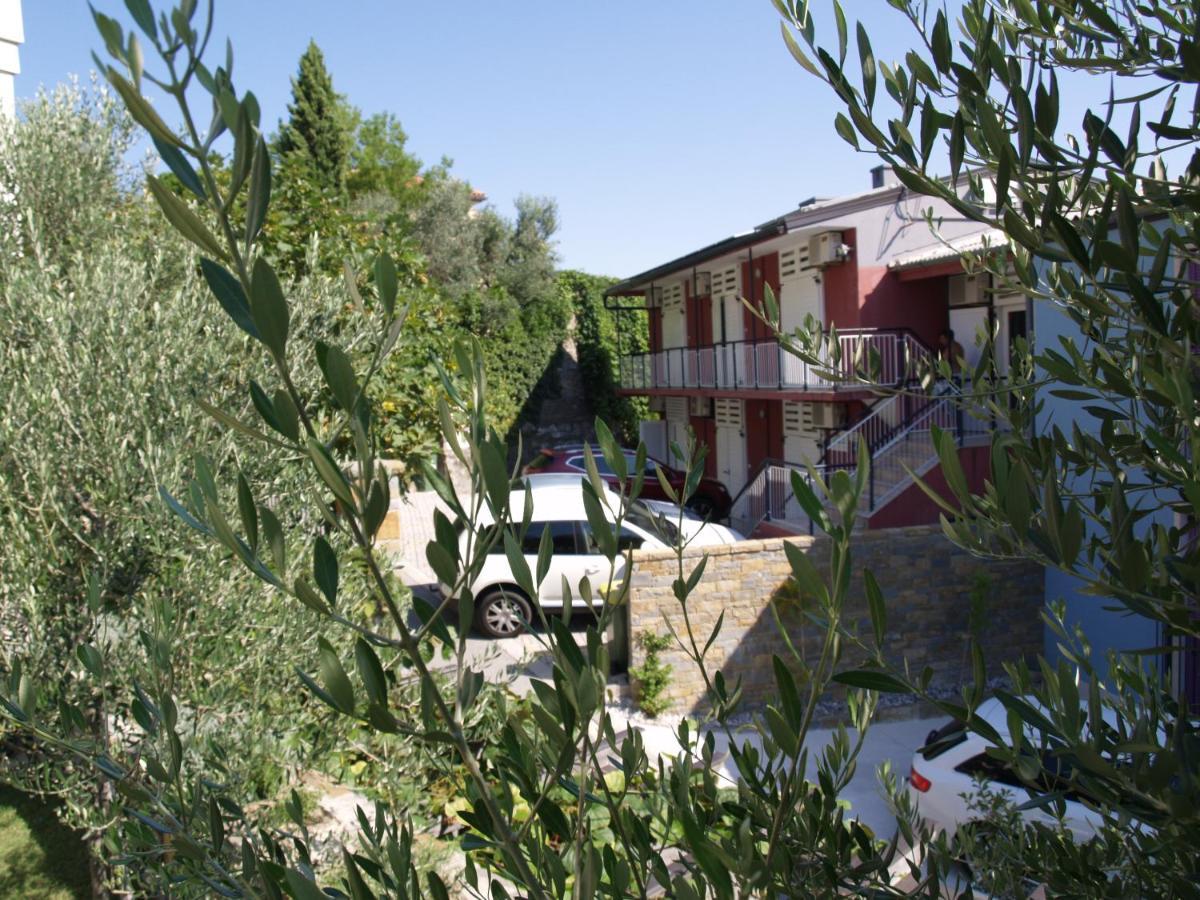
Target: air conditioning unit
968 290
825 249
701 284
701 407
654 295
829 415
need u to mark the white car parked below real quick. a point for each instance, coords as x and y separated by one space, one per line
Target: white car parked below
945 770
502 609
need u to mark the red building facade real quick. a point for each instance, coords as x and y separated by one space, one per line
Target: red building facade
868 266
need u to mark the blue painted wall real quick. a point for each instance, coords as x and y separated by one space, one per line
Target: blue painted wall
1106 629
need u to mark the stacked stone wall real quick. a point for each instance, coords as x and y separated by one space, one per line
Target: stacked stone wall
927 583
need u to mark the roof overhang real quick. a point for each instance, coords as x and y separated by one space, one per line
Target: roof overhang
637 284
937 257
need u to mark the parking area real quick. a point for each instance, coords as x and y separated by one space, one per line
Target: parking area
517 661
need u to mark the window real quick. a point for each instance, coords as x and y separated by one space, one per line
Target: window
533 538
579 463
938 742
1055 775
647 520
983 766
562 538
626 540
631 465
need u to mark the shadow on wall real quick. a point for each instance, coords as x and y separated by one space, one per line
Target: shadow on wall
935 596
555 412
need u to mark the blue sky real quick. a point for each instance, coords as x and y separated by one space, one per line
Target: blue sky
658 126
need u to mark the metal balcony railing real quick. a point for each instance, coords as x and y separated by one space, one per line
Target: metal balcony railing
765 365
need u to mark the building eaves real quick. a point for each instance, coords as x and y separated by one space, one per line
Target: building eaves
635 283
947 251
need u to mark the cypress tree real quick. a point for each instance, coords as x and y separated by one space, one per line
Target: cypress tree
314 127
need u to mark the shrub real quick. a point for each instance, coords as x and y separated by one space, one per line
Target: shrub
653 676
596 338
111 347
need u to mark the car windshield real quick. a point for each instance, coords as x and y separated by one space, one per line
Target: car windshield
655 523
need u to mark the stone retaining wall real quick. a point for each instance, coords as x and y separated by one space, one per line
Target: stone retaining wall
927 585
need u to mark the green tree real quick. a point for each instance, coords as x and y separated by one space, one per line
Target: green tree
317 128
447 234
384 178
94 291
499 275
1100 230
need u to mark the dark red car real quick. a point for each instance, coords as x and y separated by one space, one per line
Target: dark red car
710 500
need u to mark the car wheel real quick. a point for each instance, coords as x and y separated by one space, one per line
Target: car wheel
502 612
701 506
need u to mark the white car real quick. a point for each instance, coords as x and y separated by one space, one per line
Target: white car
945 770
694 527
502 609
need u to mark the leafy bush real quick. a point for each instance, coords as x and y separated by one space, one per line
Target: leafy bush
545 817
653 676
596 338
112 347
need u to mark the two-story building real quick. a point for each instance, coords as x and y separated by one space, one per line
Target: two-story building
867 265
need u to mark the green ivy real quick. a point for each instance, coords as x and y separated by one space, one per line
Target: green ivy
599 354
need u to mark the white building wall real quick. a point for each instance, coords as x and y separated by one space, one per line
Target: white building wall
12 35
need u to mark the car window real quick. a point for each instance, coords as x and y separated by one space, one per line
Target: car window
990 769
1055 775
562 538
631 464
647 520
580 464
628 539
942 739
533 538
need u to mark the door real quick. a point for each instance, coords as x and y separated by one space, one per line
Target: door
798 298
653 433
728 326
967 323
1013 326
730 443
677 431
731 458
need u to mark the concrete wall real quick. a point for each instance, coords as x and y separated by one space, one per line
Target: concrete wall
926 582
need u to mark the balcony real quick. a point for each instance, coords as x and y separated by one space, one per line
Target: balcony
764 365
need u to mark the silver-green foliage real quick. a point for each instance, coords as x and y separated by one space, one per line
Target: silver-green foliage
110 344
1101 232
545 816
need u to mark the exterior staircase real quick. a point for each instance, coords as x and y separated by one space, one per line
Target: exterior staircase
898 436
